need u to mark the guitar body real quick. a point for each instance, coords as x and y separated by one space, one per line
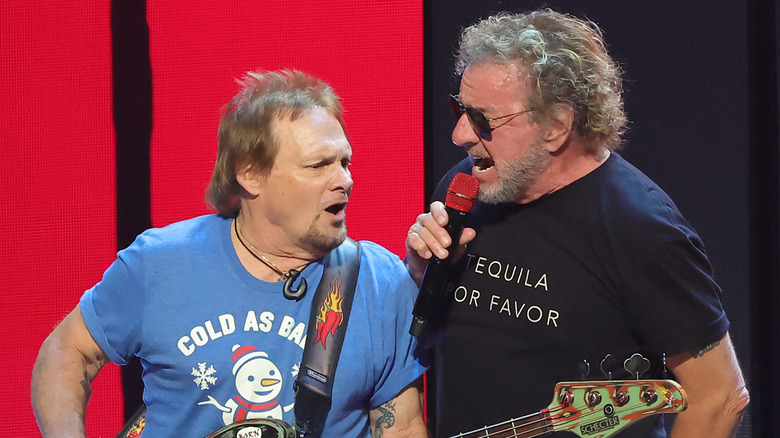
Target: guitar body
252 428
256 428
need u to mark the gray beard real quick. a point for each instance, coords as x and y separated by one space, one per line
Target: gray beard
515 177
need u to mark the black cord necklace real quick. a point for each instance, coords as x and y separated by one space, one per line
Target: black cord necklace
289 277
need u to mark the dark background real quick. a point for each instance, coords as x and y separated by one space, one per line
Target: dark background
701 94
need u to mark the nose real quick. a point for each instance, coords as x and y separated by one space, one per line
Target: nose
463 134
343 179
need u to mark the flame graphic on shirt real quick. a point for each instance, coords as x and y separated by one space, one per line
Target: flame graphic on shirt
331 313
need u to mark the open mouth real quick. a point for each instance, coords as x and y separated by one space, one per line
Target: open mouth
482 164
336 208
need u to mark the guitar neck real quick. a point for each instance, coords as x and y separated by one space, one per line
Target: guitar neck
592 409
527 426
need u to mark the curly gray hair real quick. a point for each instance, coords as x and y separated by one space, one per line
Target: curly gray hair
568 60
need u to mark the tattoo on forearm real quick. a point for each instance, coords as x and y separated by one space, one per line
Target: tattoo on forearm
386 420
700 352
87 387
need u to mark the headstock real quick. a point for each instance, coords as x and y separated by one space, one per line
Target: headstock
598 409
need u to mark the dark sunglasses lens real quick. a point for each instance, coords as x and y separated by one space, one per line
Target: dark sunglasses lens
479 122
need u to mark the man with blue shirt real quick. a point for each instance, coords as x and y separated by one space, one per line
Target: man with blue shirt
215 306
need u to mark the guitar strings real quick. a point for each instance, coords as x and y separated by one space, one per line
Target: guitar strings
554 414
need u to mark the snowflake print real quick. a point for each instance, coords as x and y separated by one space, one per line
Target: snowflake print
203 375
295 369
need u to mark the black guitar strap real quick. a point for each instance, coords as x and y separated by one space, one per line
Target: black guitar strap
330 311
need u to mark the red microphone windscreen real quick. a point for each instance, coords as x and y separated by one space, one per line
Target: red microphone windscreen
462 192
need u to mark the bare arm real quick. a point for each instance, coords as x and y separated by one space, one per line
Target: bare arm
427 237
401 417
67 362
716 391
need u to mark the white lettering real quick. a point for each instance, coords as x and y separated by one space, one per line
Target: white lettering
456 294
494 269
493 301
480 264
538 310
506 272
542 282
519 277
285 328
519 311
510 277
468 263
550 317
526 278
298 333
533 314
505 307
227 323
266 321
210 329
199 336
251 322
184 346
474 297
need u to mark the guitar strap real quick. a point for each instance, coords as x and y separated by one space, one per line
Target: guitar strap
330 311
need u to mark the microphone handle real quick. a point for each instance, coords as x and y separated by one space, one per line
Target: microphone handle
435 277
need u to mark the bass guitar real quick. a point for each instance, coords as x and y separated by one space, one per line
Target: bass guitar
592 409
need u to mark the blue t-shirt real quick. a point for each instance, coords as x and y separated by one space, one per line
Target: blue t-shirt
218 345
604 266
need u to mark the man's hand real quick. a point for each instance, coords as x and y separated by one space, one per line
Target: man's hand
427 237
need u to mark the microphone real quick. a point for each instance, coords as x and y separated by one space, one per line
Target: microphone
461 195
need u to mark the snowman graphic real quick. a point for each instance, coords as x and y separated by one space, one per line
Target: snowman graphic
258 382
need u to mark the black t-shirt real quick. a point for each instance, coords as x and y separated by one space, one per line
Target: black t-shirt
605 265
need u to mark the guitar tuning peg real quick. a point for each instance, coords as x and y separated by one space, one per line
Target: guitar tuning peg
663 361
583 369
636 365
609 365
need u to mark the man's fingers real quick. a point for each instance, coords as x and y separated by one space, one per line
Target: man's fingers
467 236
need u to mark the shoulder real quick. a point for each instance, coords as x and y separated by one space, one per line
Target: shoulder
623 180
376 253
626 196
178 236
383 271
636 212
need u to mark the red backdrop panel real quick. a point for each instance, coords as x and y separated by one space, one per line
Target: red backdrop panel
57 170
57 143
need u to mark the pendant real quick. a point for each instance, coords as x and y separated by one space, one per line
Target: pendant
288 291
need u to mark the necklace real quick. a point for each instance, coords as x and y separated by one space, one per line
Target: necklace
289 277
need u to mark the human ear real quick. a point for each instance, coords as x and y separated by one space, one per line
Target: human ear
559 127
249 178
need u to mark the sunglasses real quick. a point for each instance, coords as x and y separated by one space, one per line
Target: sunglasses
479 122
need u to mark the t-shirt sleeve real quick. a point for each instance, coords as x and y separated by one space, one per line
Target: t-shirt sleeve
674 302
112 308
402 364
